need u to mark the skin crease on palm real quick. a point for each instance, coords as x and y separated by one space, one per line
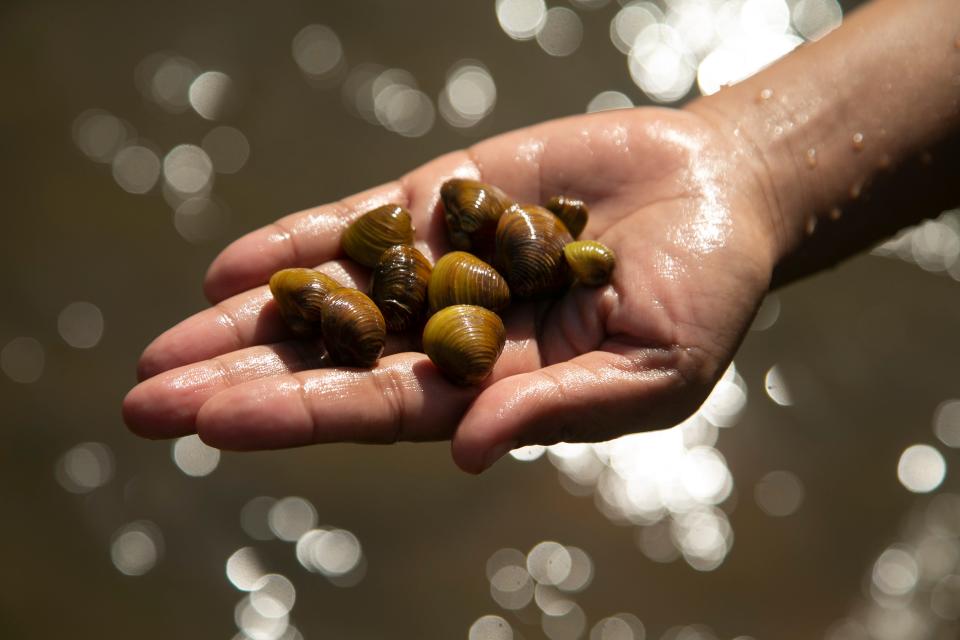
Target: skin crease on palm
694 260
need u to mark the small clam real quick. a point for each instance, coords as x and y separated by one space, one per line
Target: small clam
471 210
462 278
530 243
300 294
399 286
354 331
376 231
591 262
464 342
573 212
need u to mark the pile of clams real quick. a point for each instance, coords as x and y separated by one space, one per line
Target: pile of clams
503 251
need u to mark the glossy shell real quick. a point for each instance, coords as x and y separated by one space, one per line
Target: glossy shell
573 212
471 210
591 262
530 243
376 231
464 342
399 286
462 278
300 294
354 331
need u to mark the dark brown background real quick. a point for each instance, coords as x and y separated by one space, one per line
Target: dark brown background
870 350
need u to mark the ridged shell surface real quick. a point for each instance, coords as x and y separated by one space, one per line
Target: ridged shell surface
573 212
374 232
300 294
462 278
591 262
399 286
464 342
354 331
530 243
471 211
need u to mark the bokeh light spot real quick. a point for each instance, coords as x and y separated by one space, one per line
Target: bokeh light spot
921 468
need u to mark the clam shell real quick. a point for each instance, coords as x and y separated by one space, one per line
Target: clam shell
354 331
399 286
376 231
573 212
591 262
530 243
464 342
300 294
471 211
462 278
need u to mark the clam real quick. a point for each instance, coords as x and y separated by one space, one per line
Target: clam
573 212
354 331
376 231
529 244
591 262
399 286
471 210
300 294
464 342
462 278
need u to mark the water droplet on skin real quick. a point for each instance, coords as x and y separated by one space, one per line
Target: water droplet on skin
811 158
858 141
811 225
778 131
835 213
855 190
764 95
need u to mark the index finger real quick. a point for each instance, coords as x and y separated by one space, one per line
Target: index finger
301 239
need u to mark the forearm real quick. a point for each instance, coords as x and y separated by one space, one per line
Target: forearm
854 136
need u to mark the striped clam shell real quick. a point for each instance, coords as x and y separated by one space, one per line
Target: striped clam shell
464 342
462 278
530 243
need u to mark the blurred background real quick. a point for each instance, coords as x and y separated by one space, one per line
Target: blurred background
811 497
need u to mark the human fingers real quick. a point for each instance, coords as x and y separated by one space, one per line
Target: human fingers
595 396
238 322
404 397
301 239
313 236
166 405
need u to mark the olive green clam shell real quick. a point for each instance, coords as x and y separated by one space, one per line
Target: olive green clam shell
354 331
591 262
374 232
471 211
464 342
530 243
300 294
462 278
399 286
573 212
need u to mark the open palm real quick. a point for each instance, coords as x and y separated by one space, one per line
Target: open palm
670 194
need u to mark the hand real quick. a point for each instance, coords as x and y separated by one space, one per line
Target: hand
674 198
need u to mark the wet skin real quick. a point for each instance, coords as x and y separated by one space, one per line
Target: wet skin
695 254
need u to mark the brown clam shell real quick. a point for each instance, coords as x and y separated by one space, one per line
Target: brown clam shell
354 331
591 262
462 278
300 294
471 210
572 211
530 243
464 342
376 231
399 286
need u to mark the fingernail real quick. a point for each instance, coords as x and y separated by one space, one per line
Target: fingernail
498 452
